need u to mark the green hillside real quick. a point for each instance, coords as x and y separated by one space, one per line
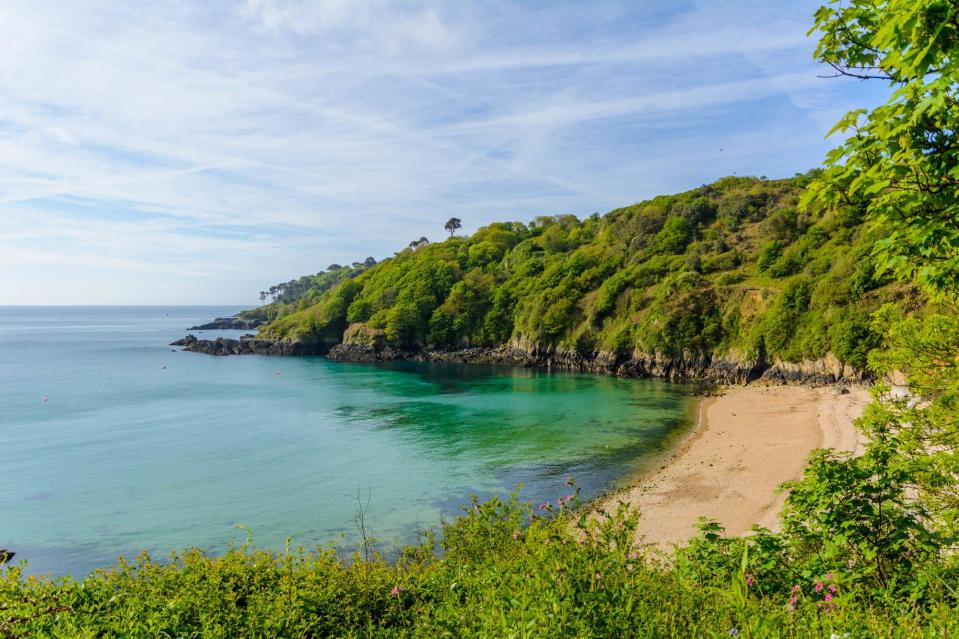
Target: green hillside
735 267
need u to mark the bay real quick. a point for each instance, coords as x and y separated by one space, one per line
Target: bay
112 442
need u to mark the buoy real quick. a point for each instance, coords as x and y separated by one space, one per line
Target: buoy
44 398
277 373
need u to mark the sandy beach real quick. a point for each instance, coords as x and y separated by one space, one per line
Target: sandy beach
748 442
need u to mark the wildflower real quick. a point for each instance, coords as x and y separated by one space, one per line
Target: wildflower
818 587
546 542
570 498
396 591
733 632
582 538
544 506
828 597
599 576
516 534
833 589
795 589
829 577
570 481
750 580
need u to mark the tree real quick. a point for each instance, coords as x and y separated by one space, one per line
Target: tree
368 262
899 170
900 165
452 225
333 267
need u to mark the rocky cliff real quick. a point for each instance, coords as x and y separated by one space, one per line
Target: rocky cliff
732 368
362 344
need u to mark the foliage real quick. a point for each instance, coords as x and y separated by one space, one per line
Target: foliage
900 164
504 570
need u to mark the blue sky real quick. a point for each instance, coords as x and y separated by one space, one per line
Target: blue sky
183 152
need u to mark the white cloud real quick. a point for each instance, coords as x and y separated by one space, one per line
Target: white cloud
262 140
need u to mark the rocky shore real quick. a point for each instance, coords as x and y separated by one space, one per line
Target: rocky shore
728 369
229 323
246 345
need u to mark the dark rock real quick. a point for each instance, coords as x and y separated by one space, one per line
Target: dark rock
728 369
249 345
6 556
229 323
369 345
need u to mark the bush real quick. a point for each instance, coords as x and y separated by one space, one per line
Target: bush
506 569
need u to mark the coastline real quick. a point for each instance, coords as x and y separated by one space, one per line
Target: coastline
746 443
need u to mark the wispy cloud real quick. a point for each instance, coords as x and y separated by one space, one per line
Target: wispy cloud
197 152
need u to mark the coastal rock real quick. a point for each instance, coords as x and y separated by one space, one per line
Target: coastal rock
823 371
730 368
229 323
248 345
364 344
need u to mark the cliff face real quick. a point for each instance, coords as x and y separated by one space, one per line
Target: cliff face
732 368
362 344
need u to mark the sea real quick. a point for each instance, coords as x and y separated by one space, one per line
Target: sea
113 442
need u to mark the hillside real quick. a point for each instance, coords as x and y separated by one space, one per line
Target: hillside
721 281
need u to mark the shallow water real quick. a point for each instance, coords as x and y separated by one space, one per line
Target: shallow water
138 447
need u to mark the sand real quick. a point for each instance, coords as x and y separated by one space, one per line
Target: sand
748 441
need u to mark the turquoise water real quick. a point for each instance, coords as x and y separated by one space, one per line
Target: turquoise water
137 446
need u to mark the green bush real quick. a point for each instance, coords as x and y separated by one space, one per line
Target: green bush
505 569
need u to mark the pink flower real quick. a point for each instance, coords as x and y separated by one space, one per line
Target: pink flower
543 506
828 597
397 590
794 589
832 588
818 587
749 580
570 497
829 577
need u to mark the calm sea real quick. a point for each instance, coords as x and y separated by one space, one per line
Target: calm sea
112 442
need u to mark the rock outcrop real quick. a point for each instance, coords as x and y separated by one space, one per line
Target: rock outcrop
247 345
229 323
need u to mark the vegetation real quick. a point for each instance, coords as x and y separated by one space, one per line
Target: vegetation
505 571
302 293
868 544
736 267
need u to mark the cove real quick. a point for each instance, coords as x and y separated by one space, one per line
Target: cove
139 447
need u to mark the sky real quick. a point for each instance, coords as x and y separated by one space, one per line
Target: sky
198 152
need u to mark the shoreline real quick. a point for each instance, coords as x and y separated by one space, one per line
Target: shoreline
746 443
